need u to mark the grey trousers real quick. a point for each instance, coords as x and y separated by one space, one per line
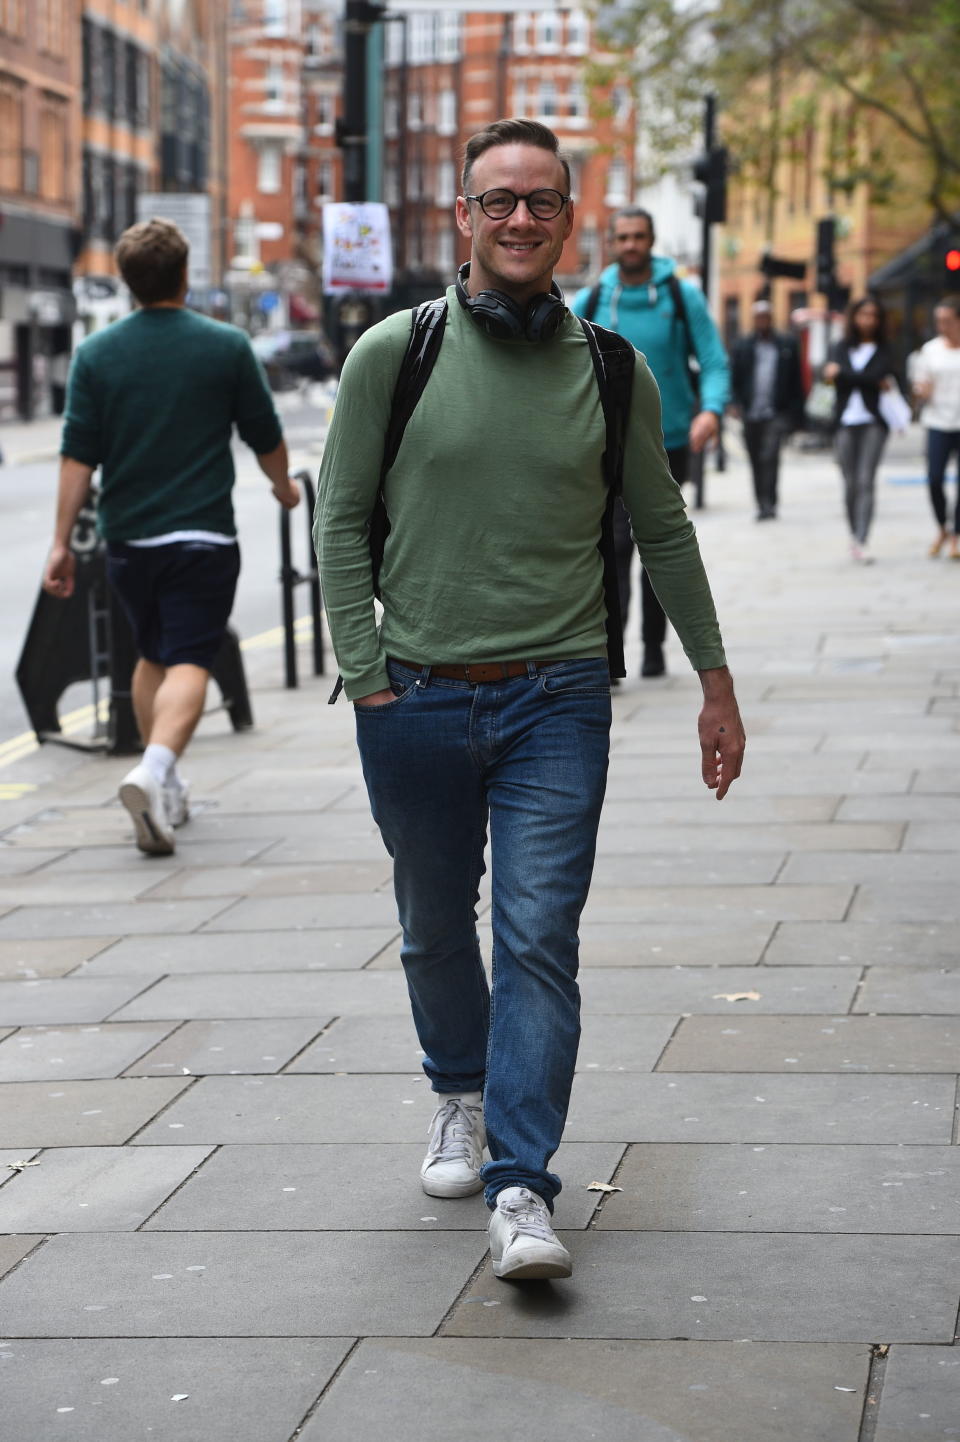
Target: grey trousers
859 449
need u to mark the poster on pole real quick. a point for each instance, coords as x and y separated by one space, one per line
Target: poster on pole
192 213
357 252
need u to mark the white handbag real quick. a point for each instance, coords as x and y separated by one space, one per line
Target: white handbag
894 410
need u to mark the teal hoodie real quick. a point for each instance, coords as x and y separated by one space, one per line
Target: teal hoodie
645 315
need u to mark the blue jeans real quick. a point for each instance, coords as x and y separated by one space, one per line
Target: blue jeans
940 446
528 756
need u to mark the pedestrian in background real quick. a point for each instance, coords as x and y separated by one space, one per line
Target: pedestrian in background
667 320
153 400
769 395
861 366
936 382
483 697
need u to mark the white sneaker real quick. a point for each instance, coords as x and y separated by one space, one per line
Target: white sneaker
176 800
522 1241
142 795
451 1167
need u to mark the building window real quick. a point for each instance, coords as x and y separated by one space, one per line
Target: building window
620 104
395 42
422 38
269 170
521 32
326 115
446 192
578 32
448 35
577 101
547 99
446 252
520 100
391 115
13 18
273 86
300 187
325 180
415 110
391 185
11 128
414 180
50 26
275 18
616 182
53 148
447 112
548 31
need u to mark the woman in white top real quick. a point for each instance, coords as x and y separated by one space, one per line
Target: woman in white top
936 382
860 366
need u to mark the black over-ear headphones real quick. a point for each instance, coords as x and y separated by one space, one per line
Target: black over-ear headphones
501 317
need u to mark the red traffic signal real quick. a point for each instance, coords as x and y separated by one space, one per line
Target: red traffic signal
952 260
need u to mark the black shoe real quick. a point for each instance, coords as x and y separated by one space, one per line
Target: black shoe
653 662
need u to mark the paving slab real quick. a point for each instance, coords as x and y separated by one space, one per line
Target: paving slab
695 868
709 903
155 956
669 943
81 1113
215 1284
64 999
351 1187
864 943
277 788
783 1188
333 877
816 1044
13 1250
75 887
668 841
921 1386
75 1052
298 1109
122 918
212 1047
56 828
270 995
859 868
709 989
899 808
25 960
916 902
748 809
221 851
723 1286
905 991
94 1189
933 836
232 1389
325 845
759 1107
303 913
617 1391
17 861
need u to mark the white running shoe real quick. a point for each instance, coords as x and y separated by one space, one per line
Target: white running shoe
451 1167
142 795
176 800
523 1244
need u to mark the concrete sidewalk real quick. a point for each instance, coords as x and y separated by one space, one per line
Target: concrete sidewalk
213 1114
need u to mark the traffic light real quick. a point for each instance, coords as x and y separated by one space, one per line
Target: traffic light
773 267
826 282
711 170
951 269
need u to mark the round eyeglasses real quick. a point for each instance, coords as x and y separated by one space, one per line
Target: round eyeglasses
498 204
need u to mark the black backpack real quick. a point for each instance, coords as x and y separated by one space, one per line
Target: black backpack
613 362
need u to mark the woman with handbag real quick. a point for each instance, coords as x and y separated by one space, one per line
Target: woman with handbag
936 382
861 367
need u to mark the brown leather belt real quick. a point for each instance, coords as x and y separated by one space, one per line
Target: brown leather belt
479 672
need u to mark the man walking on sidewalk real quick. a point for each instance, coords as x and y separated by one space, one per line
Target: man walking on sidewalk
667 320
483 700
153 400
769 394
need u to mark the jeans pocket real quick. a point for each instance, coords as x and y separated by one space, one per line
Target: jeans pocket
400 695
589 678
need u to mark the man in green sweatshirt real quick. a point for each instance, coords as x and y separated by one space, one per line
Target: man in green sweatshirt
483 699
153 400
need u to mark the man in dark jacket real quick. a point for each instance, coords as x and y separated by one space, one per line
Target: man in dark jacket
768 393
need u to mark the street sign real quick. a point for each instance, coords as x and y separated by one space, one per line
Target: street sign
192 213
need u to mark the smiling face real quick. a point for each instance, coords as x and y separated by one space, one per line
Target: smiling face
516 255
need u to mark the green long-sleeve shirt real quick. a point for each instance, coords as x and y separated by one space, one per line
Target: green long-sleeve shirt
495 503
153 399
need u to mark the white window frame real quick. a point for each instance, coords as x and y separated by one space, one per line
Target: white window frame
447 112
578 32
521 32
617 181
549 28
548 100
446 188
269 168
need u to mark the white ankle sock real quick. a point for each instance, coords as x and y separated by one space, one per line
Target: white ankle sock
469 1099
160 761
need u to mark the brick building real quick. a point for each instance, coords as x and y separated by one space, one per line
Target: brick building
39 198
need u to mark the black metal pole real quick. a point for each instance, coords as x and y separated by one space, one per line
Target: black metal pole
286 601
354 134
698 462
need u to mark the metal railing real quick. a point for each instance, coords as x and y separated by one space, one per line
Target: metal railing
291 577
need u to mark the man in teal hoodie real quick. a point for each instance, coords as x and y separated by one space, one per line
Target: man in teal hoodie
665 318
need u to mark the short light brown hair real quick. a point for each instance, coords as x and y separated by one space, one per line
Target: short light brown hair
152 257
511 132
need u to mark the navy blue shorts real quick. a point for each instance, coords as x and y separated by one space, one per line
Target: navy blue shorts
178 597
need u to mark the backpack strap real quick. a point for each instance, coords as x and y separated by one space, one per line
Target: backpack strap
680 311
427 323
613 363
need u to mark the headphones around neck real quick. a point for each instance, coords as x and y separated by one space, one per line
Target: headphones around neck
499 316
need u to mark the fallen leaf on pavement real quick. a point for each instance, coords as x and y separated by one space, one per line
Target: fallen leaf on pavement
736 996
603 1187
19 1166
